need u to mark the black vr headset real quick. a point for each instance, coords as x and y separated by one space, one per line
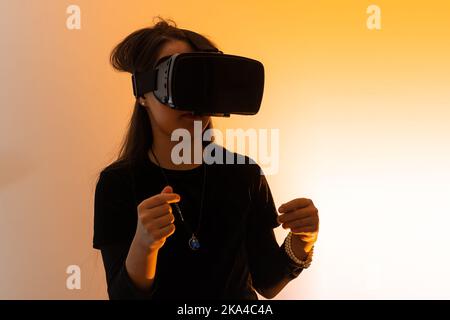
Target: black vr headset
205 82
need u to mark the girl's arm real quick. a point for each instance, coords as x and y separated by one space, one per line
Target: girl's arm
141 265
270 266
119 281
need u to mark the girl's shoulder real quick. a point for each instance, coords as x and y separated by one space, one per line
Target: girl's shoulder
116 172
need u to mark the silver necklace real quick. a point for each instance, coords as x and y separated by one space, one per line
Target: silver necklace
194 243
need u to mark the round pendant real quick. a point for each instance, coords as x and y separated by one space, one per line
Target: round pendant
194 243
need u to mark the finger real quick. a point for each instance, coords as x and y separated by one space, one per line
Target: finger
306 236
163 221
167 189
304 229
159 199
164 232
299 223
154 213
294 204
293 215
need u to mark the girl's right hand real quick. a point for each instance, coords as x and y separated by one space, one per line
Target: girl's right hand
155 219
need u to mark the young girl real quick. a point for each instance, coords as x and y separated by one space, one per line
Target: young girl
178 231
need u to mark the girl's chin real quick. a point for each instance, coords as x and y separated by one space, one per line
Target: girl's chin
191 122
191 117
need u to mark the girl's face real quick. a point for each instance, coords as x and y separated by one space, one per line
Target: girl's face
163 118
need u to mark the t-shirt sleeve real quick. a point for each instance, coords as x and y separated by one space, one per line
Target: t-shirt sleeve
270 266
115 218
115 214
120 285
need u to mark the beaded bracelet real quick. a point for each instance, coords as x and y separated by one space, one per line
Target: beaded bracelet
287 246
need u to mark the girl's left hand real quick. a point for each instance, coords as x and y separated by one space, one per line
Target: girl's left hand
301 216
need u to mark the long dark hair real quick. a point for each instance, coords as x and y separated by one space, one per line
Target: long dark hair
138 52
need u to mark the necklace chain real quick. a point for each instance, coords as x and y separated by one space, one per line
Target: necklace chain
194 244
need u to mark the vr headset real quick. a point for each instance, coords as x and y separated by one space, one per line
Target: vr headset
205 82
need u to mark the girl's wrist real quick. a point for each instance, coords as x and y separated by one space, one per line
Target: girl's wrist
299 247
141 245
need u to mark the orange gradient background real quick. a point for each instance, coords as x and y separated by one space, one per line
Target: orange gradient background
364 129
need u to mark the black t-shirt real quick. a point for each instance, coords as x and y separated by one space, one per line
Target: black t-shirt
239 252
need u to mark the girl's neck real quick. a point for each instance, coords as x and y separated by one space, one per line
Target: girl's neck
162 149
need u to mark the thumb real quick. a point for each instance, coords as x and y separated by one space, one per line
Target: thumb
167 189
